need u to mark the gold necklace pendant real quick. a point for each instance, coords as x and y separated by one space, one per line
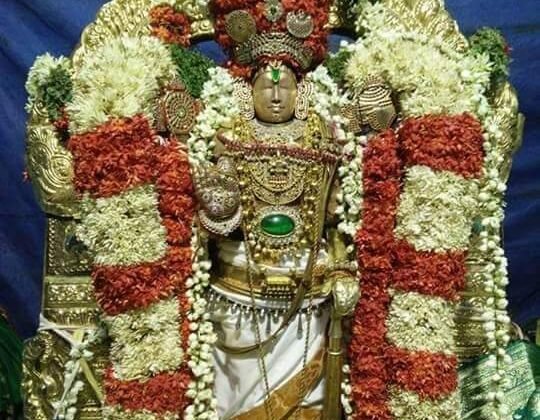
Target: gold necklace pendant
276 180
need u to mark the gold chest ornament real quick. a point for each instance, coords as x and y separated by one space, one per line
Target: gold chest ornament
283 186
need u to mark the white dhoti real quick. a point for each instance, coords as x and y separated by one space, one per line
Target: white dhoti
239 383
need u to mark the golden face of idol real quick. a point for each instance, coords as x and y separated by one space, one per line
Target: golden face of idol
274 93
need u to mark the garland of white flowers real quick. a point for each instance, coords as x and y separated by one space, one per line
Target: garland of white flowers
494 275
328 102
466 84
430 76
218 112
202 337
65 407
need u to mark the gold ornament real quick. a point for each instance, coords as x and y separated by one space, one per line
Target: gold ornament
375 103
287 133
305 93
281 189
217 192
243 94
273 10
299 24
271 44
221 227
351 113
50 166
278 241
176 110
240 25
276 180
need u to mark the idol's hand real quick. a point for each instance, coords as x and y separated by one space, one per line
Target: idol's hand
217 190
346 292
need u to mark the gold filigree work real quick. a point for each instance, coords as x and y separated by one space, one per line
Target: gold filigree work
428 17
50 166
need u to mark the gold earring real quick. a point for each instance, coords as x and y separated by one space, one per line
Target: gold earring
303 100
243 94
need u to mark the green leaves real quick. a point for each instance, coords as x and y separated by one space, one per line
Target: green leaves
491 42
336 64
192 68
56 92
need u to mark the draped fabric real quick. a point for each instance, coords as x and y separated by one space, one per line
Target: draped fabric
11 349
29 28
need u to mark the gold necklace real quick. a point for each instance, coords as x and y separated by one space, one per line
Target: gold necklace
285 133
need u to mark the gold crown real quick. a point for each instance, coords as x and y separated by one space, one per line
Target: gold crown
273 44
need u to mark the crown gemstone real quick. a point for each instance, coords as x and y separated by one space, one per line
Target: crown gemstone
277 225
274 10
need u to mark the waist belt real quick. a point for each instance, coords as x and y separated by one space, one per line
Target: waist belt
276 286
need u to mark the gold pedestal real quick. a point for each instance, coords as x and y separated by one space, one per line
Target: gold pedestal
68 302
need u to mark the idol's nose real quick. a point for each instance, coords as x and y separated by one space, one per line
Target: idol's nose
275 95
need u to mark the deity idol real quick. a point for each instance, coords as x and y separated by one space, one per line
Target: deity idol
294 234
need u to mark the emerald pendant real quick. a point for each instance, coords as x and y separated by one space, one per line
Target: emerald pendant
277 225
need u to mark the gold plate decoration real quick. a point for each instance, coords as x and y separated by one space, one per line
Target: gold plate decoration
273 10
299 24
240 25
177 110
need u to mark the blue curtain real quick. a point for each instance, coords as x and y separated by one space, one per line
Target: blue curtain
29 28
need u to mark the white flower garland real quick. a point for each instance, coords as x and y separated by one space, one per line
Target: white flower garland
120 79
65 408
494 275
436 209
328 102
429 76
411 323
202 337
146 341
219 110
123 229
405 405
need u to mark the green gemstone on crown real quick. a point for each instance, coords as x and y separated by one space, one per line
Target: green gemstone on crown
277 225
276 75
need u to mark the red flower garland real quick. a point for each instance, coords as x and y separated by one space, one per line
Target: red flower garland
121 154
114 157
442 143
160 394
429 273
120 289
170 26
369 370
449 143
430 375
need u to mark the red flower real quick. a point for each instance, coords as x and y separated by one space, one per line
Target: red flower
430 273
375 241
163 393
170 26
449 143
430 375
114 157
120 289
